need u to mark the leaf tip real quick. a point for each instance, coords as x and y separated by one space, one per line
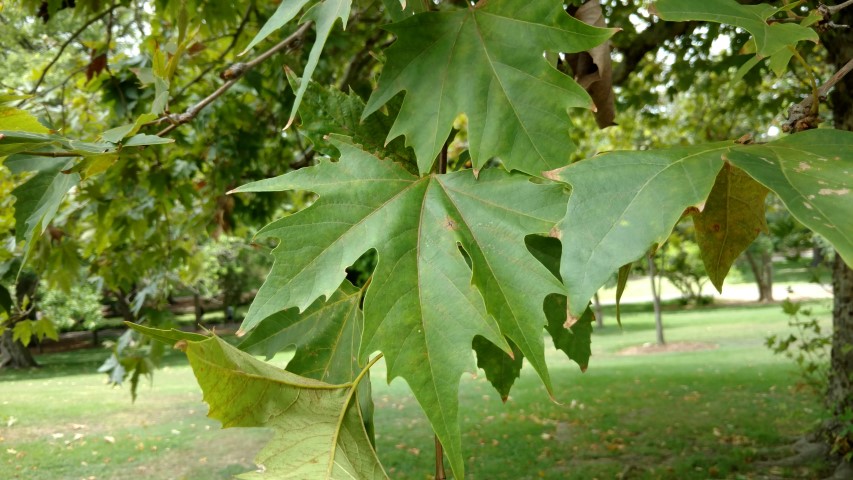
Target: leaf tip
583 368
504 398
240 333
570 321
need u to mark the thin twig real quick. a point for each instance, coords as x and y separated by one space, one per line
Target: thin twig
804 115
65 45
221 56
236 71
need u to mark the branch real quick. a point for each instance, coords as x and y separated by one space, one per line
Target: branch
804 115
65 45
833 9
221 56
233 75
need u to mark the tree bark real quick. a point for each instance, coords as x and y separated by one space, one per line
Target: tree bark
656 301
13 354
839 46
763 273
599 312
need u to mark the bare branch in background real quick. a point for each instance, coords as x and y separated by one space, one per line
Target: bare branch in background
233 74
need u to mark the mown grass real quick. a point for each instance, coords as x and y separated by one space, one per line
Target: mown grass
713 413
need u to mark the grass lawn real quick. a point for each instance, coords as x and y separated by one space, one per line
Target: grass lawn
711 413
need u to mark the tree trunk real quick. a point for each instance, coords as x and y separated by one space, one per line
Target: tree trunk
763 273
840 392
656 300
839 46
13 354
599 313
199 310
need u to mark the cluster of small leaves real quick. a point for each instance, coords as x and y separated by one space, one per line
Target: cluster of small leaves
808 345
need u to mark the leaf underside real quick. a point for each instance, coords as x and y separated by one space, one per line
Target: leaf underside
622 203
319 432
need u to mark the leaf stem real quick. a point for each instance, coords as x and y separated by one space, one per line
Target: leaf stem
363 372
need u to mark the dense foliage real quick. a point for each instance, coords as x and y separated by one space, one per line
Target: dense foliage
481 229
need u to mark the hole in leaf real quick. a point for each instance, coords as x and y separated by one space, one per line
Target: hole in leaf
547 250
360 271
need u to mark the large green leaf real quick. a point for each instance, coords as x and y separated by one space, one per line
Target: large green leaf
622 203
812 173
318 428
776 40
486 61
38 199
324 14
731 219
421 308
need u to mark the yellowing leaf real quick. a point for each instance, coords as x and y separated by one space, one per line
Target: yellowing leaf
733 216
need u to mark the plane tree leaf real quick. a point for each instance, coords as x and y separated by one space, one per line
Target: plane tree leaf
38 199
776 40
622 203
318 428
732 218
324 14
486 61
330 111
326 336
425 303
14 119
812 173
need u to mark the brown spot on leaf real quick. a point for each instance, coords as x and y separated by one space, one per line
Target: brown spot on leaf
552 174
556 233
450 224
181 345
716 227
802 167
